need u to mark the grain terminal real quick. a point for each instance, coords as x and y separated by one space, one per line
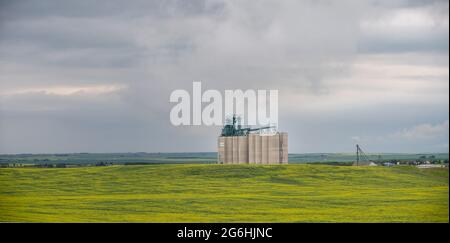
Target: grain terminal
237 145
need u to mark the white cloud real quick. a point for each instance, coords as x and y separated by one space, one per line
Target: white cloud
408 29
423 131
375 80
404 19
66 90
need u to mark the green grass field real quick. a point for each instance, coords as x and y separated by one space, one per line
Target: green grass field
224 193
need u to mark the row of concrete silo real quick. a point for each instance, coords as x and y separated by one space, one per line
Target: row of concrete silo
253 148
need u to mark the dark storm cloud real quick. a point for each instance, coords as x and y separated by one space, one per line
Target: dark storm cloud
87 33
12 10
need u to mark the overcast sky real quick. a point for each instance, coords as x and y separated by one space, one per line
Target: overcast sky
96 76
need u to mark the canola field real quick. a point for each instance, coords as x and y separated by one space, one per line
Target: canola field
224 193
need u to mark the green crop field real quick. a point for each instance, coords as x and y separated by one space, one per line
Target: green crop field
224 193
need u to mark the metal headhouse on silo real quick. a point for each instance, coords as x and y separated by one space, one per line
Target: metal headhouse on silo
238 145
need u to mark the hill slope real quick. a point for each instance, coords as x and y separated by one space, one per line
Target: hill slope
224 193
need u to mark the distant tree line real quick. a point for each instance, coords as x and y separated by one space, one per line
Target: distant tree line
52 165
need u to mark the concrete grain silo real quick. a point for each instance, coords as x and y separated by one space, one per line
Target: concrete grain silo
238 145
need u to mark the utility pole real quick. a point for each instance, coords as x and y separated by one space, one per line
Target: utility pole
357 154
